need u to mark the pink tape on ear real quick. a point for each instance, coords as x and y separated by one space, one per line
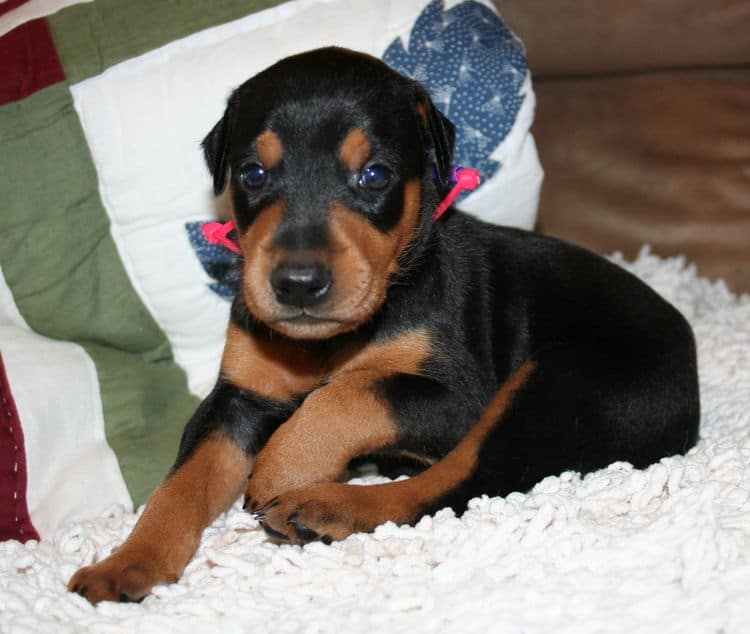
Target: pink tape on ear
216 233
467 179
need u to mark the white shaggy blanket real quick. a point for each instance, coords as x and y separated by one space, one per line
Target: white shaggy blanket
661 550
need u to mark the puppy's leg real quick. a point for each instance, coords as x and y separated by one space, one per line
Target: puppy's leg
168 532
335 424
343 419
333 510
214 461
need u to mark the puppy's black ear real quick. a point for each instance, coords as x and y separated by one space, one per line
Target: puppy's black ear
441 133
216 145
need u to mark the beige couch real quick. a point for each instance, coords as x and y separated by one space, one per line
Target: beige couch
643 125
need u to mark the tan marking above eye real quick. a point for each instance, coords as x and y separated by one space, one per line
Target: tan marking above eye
269 148
355 149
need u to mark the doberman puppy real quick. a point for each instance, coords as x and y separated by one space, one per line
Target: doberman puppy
488 357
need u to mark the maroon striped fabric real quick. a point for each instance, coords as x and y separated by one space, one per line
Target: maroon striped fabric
28 59
15 522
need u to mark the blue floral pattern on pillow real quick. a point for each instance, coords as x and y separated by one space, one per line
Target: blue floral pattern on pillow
218 262
473 67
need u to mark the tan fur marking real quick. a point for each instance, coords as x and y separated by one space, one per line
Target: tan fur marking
259 235
167 534
363 259
257 248
275 369
380 251
355 149
416 457
336 422
422 112
269 148
404 354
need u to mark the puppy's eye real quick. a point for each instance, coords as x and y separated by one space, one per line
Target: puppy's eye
253 175
375 177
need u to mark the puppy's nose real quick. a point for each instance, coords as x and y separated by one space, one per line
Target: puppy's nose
302 285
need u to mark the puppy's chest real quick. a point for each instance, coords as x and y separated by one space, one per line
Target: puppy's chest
282 370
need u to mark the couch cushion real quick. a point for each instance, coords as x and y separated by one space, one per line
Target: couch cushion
580 37
662 158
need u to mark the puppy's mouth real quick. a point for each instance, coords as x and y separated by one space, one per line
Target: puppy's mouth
303 324
303 317
324 320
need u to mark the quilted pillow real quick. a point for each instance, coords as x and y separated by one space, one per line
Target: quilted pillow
111 321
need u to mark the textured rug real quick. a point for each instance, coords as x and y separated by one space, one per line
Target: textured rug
666 549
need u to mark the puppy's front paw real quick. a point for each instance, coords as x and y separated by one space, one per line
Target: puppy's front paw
269 479
324 512
117 579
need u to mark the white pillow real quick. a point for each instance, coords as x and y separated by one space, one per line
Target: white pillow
144 119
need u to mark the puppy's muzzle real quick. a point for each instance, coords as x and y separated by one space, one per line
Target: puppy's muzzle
301 285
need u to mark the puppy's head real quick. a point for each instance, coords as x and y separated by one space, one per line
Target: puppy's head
326 157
